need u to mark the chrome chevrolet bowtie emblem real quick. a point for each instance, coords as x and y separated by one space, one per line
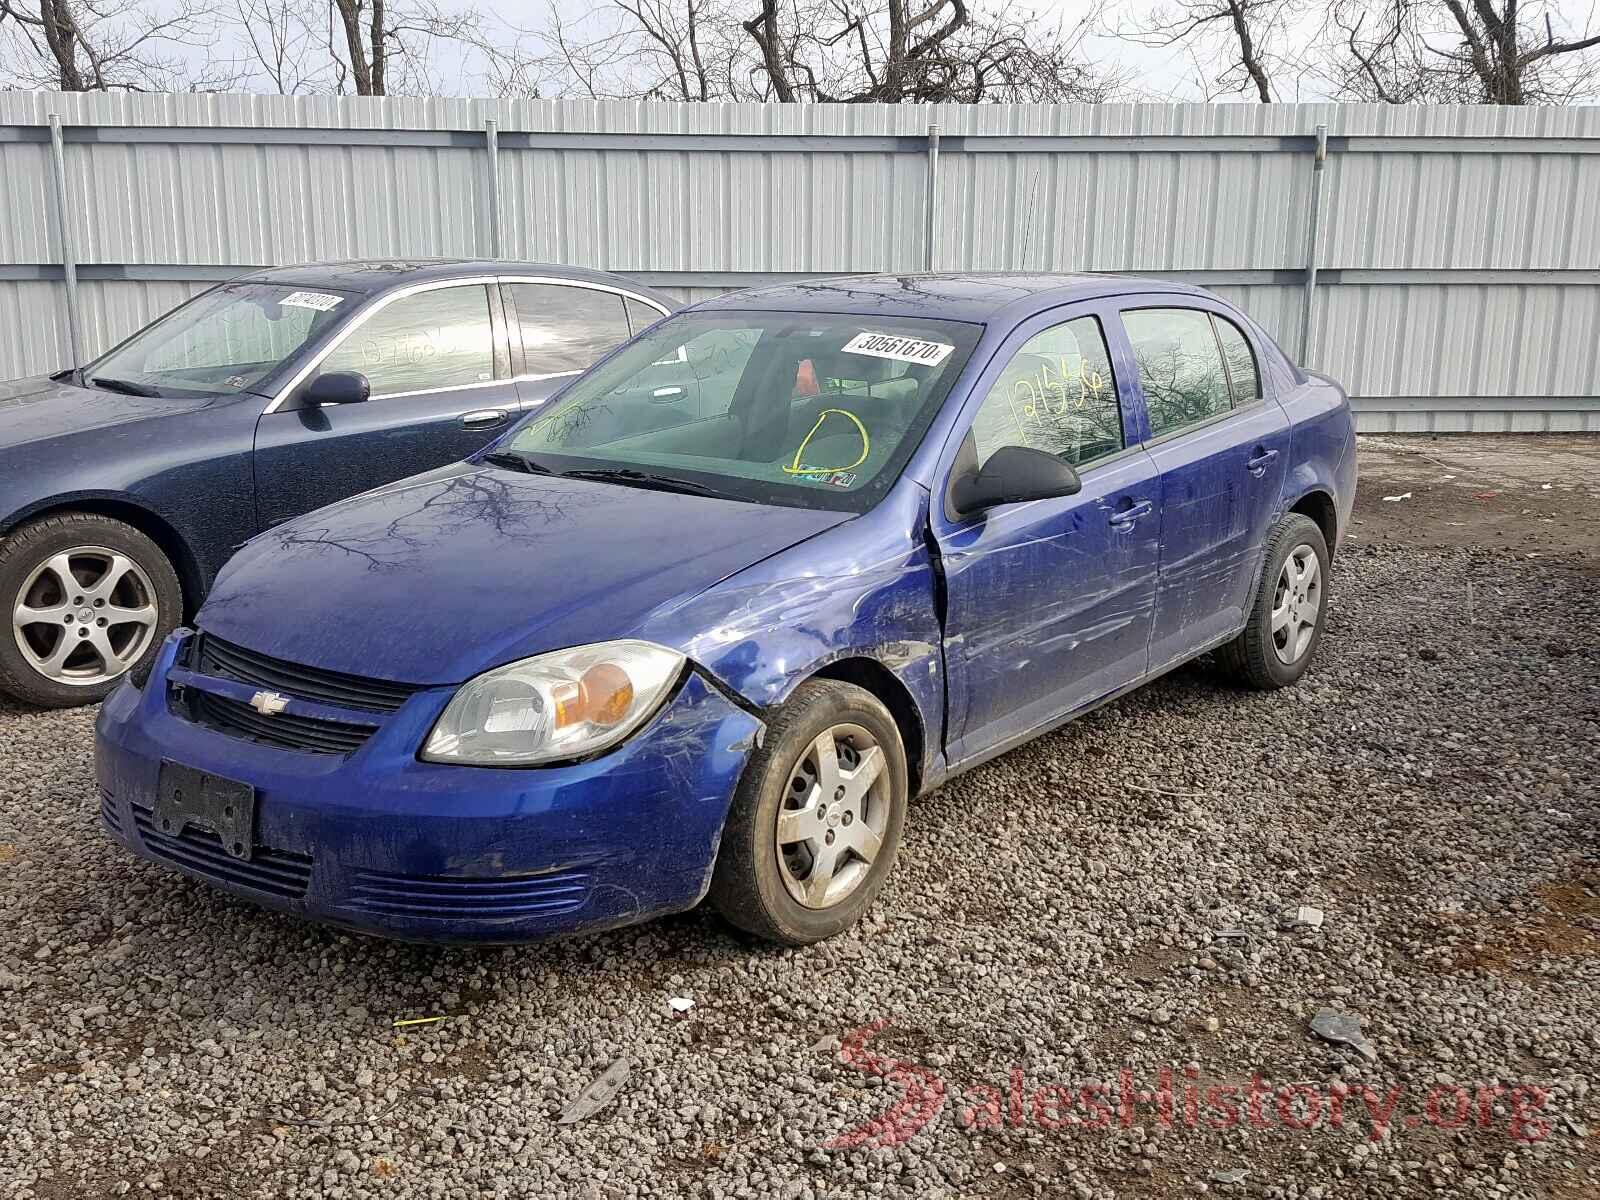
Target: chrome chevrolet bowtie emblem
269 704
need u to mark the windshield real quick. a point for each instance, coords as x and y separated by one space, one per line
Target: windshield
225 340
803 409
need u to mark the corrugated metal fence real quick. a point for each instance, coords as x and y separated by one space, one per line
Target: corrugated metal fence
1444 263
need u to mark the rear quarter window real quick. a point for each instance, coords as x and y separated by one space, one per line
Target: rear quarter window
1244 376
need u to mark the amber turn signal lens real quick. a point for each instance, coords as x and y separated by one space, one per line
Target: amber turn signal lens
602 696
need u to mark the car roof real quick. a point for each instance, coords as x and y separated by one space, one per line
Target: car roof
373 275
977 296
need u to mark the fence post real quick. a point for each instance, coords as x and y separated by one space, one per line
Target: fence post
491 139
930 234
69 263
1310 303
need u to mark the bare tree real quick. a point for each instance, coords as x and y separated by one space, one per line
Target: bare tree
673 35
386 47
891 52
644 49
369 47
1443 51
100 45
1236 46
282 41
803 50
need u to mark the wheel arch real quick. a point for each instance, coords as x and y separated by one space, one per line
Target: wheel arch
1319 506
129 512
873 676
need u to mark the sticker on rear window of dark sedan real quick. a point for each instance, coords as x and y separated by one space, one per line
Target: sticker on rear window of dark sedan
900 349
320 301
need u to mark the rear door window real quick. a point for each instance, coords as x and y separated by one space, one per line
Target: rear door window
1180 366
566 329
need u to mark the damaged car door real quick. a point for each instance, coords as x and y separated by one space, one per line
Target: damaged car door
1050 602
1223 451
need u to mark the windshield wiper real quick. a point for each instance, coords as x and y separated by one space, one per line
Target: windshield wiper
644 479
513 461
126 386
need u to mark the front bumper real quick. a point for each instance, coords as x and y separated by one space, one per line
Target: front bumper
381 842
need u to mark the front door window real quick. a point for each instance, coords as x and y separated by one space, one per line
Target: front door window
424 342
1057 395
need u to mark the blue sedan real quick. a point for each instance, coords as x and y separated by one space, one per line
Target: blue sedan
126 484
707 622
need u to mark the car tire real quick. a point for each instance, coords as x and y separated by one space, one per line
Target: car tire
114 570
1290 610
813 875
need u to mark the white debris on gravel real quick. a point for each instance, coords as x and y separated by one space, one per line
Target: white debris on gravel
1048 922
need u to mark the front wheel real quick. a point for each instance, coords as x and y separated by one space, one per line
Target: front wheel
1291 607
90 600
816 819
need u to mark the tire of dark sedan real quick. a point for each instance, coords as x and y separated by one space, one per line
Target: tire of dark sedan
1290 611
90 599
754 880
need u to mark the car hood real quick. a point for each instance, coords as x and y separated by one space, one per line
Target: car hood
440 577
35 410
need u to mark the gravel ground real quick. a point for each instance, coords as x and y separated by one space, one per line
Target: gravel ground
1105 900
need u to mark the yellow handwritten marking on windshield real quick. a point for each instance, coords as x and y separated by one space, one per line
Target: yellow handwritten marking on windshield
866 445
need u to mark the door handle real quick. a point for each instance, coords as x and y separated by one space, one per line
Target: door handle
1258 464
484 418
1126 518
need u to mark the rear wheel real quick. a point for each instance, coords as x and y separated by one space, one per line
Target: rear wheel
1291 607
90 600
816 819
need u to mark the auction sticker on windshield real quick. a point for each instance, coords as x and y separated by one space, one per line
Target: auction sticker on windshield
320 301
900 349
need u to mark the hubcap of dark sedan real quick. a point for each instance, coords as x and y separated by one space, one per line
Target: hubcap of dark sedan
835 811
85 616
1296 604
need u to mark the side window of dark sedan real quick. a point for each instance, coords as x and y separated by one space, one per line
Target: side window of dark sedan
1180 366
566 328
1056 395
641 315
424 342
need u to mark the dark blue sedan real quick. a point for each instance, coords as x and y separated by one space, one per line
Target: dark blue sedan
126 484
708 621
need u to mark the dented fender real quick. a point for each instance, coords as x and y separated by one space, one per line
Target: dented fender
866 589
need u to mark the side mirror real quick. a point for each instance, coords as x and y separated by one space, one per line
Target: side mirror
337 387
1012 475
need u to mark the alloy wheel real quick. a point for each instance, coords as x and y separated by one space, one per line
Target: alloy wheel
1296 604
835 812
85 616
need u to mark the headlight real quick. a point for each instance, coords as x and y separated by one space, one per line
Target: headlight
566 704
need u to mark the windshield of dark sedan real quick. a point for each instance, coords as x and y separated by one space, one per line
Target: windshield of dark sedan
225 340
807 409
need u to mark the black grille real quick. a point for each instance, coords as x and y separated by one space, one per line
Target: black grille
280 872
449 896
284 729
108 812
227 661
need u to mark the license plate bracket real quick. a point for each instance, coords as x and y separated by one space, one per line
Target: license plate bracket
188 796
